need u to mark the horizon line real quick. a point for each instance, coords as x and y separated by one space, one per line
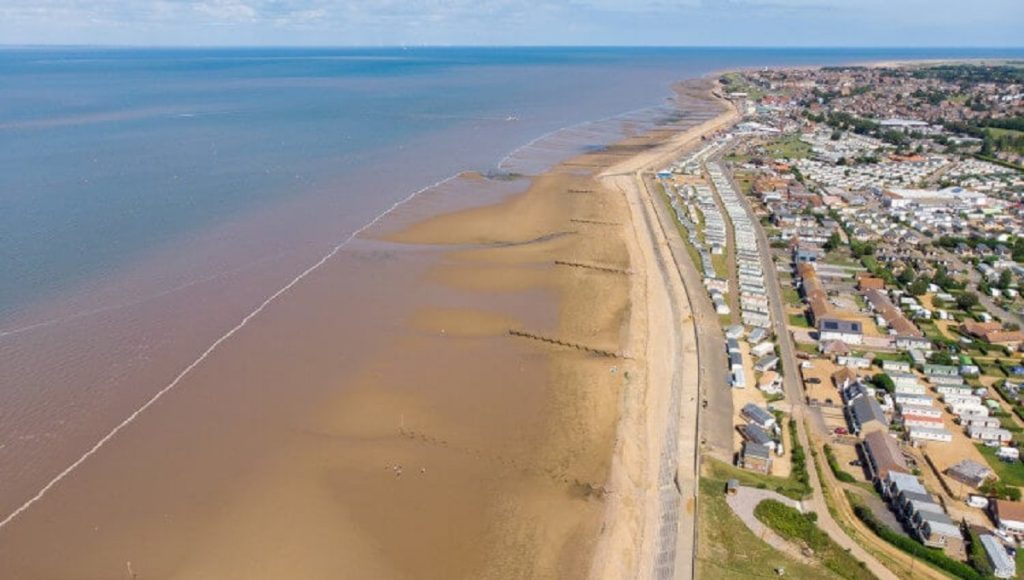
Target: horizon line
5 46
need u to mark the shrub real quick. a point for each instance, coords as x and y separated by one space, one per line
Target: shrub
930 555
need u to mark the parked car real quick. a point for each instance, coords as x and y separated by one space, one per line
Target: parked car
856 463
814 381
842 431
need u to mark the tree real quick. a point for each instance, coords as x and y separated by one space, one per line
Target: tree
966 301
1005 279
918 287
834 241
906 276
883 381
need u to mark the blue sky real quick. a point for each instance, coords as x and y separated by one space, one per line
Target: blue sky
515 22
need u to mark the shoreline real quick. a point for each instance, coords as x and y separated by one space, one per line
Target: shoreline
525 456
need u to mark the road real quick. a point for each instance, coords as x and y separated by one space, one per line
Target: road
796 399
671 355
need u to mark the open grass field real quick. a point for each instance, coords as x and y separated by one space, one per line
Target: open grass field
728 549
1009 473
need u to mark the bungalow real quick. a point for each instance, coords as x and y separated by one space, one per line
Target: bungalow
865 414
916 389
738 379
913 342
756 457
732 345
857 362
758 416
843 378
770 383
940 435
901 379
986 422
936 530
941 370
883 455
735 362
1008 516
767 363
969 473
916 420
911 399
1003 566
848 331
896 366
952 390
920 410
762 349
945 380
734 332
758 334
987 434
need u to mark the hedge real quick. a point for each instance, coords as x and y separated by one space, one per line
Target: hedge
912 547
840 474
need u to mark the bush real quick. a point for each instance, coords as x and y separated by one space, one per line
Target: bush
930 555
798 470
840 474
795 526
976 554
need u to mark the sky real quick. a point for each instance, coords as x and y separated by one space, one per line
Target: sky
912 23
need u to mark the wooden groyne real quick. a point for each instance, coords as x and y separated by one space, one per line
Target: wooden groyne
609 269
594 222
565 343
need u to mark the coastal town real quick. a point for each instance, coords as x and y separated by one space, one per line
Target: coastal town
859 235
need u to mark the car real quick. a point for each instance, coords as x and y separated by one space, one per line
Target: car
814 381
829 402
842 431
856 463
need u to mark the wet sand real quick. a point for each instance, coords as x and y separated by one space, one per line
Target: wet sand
380 421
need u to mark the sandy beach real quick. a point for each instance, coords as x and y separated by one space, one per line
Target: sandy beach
494 407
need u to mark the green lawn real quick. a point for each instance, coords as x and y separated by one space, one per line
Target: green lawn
1009 473
800 529
799 320
729 550
787 486
791 296
788 147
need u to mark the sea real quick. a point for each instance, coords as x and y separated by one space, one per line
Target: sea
152 199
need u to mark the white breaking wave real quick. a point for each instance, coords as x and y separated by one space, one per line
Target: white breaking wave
213 347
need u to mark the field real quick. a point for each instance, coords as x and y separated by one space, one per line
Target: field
728 549
1009 473
788 147
800 529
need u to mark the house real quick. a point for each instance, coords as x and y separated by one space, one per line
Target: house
758 416
836 348
1008 516
1008 338
865 415
756 457
969 473
848 331
883 455
1003 566
979 329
